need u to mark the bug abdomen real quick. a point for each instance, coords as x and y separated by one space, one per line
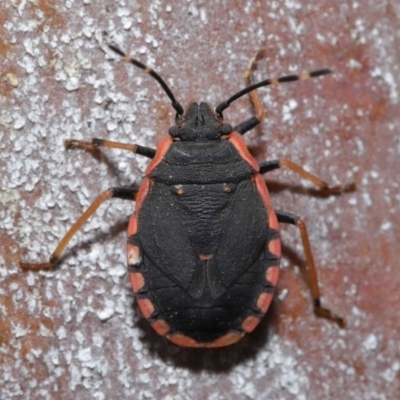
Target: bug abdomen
205 256
205 319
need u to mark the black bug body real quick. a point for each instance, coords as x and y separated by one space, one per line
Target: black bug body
202 234
203 243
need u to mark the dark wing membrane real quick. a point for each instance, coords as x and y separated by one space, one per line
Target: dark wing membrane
243 239
165 241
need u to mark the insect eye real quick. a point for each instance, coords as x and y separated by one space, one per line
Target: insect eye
174 131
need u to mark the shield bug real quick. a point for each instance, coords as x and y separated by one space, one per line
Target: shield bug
203 243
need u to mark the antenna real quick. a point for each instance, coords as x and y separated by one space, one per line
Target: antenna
178 108
288 78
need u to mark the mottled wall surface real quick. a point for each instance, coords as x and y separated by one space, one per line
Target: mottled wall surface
75 332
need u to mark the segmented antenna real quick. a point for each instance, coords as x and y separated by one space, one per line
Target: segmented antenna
288 78
178 108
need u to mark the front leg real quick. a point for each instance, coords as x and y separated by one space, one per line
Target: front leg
96 143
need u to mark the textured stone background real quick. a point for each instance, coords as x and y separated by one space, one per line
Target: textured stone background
75 332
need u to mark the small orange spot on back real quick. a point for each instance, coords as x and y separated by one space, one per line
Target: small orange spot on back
206 257
183 340
227 189
161 327
137 281
272 275
146 307
250 323
263 302
133 254
274 247
225 340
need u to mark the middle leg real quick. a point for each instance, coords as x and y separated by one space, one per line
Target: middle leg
268 166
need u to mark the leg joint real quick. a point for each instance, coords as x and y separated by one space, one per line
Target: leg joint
288 218
124 193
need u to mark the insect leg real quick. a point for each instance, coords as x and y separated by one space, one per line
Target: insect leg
125 193
250 123
289 218
96 143
268 166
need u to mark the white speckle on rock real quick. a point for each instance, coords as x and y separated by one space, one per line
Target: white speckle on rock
367 199
19 122
11 79
85 355
385 226
287 109
45 332
19 331
354 64
106 313
30 279
127 22
75 377
370 343
61 333
391 374
112 126
352 201
394 94
203 15
72 84
374 174
283 294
